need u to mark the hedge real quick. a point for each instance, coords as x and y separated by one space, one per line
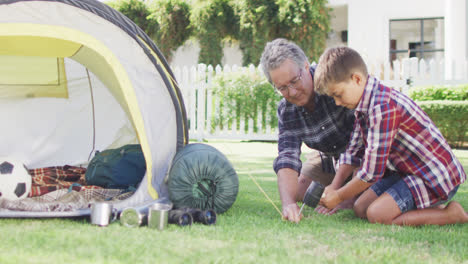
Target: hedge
451 117
244 94
453 93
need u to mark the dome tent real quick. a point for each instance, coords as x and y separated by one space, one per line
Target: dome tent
78 76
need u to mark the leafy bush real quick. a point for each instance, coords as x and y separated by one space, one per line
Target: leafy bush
454 93
138 12
246 95
173 18
451 119
213 21
305 22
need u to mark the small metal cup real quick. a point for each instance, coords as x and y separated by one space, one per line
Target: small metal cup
102 214
132 217
158 215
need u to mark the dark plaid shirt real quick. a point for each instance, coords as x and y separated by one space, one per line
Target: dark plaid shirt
326 129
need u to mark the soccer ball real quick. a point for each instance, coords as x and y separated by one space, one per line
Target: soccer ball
15 181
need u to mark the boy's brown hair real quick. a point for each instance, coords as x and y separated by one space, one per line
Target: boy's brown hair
336 65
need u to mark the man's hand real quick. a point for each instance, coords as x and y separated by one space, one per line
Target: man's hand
325 211
291 213
330 198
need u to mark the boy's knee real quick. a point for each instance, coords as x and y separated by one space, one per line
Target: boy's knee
375 214
360 210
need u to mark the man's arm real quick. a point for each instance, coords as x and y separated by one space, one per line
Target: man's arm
287 186
287 165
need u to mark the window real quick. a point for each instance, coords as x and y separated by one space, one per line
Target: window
421 37
28 76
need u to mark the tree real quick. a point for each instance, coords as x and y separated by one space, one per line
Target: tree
305 22
258 24
252 22
138 12
173 18
213 21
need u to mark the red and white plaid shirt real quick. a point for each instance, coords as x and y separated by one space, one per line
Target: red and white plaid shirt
392 132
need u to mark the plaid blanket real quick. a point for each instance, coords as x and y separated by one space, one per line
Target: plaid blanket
46 180
60 189
63 200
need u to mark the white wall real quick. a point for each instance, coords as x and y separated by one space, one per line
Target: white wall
187 55
338 23
455 37
368 22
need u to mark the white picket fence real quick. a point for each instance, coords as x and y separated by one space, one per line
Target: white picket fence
196 86
412 72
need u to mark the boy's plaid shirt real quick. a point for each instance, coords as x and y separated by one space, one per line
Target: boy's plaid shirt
392 132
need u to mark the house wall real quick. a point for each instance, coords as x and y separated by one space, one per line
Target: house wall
368 22
338 24
456 43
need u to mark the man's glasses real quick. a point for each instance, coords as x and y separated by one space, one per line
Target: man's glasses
292 84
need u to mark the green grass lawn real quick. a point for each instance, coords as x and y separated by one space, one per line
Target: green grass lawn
250 232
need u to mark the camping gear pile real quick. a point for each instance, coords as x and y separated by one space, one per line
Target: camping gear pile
85 92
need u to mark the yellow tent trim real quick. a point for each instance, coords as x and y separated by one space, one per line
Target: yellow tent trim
37 46
172 81
81 38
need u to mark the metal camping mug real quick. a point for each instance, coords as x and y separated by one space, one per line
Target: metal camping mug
102 214
158 215
132 217
138 215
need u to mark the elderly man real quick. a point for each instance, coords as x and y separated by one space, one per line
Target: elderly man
304 116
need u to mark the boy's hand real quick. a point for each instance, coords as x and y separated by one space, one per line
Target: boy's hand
330 198
325 211
291 213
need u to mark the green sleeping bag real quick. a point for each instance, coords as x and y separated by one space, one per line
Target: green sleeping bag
202 177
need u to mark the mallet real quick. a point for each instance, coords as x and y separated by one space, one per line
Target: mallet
312 195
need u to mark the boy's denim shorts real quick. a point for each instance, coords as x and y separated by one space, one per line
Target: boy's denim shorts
394 185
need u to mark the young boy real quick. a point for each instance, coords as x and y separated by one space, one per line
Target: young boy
401 155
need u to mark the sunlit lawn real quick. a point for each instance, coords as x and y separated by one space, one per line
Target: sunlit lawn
250 232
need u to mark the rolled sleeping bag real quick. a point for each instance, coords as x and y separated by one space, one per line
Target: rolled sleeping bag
202 177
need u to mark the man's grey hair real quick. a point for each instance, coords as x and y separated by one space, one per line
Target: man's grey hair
277 51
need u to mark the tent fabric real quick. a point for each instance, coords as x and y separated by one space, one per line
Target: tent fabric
202 177
119 89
